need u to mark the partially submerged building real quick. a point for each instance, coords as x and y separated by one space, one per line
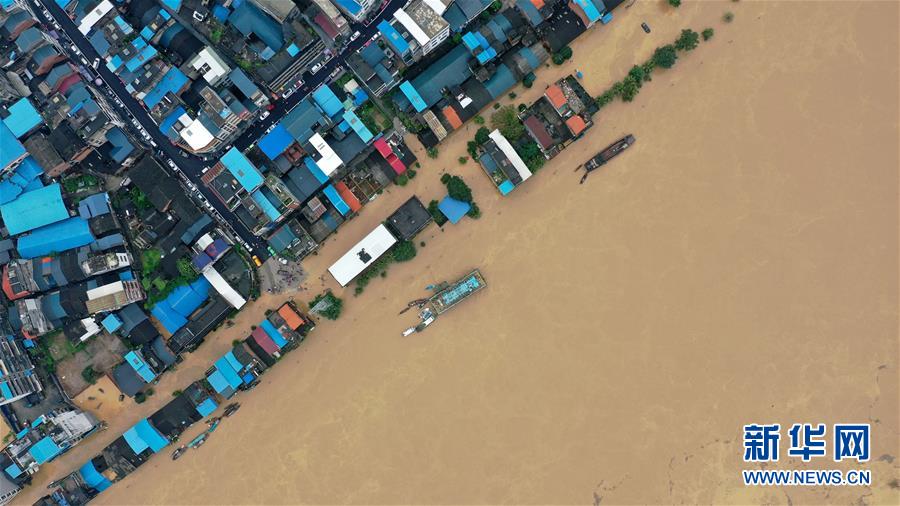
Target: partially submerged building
362 255
502 163
409 219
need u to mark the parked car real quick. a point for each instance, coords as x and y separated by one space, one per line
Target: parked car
264 115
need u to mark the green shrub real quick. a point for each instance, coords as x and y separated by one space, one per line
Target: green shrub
401 180
474 211
528 80
140 397
458 189
436 213
675 3
507 121
708 33
479 120
411 173
89 374
688 40
432 152
404 251
728 17
336 305
463 159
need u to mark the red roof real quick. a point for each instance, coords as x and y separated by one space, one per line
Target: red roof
291 318
264 341
348 197
539 132
555 94
576 124
396 164
326 25
538 4
452 117
382 147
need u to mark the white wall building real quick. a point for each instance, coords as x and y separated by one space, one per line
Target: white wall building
366 251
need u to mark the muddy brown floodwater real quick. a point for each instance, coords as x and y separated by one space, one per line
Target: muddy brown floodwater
739 265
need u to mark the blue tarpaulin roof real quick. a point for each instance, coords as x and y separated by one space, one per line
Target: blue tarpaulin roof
393 36
327 100
275 142
143 436
454 209
590 10
242 169
336 200
5 390
206 407
22 117
234 362
93 478
273 333
60 236
44 450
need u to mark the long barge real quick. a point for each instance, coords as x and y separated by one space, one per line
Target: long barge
456 292
607 154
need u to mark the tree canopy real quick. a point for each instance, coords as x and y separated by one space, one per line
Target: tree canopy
665 56
507 121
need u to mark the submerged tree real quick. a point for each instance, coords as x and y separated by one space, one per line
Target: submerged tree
507 121
688 40
665 56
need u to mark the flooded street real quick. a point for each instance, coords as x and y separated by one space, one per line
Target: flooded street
739 264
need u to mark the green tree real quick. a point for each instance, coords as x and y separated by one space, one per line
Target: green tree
335 305
482 135
463 159
675 3
479 120
472 148
528 80
432 152
404 251
186 268
688 40
507 121
638 75
89 374
150 259
532 156
708 33
401 180
665 56
631 88
474 211
605 98
458 189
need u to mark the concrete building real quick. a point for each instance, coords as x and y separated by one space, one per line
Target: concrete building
422 20
17 377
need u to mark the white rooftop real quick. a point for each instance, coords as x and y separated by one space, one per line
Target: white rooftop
360 256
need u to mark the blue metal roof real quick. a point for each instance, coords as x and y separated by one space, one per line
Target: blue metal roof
531 13
143 436
10 147
336 200
218 381
172 312
22 117
248 19
358 126
350 6
470 41
173 81
327 100
589 9
267 207
44 450
228 372
234 362
273 333
393 36
93 478
13 470
242 169
58 237
34 209
502 80
315 170
206 407
140 366
111 323
453 209
275 142
450 70
146 54
413 96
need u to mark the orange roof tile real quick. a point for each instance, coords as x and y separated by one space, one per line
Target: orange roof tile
576 124
555 94
348 196
452 117
291 318
538 4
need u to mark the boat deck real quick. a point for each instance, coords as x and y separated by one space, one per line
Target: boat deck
452 295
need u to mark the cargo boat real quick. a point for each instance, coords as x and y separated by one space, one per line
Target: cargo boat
449 297
607 154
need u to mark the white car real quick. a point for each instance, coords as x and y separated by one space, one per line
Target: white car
95 63
354 36
264 115
317 67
